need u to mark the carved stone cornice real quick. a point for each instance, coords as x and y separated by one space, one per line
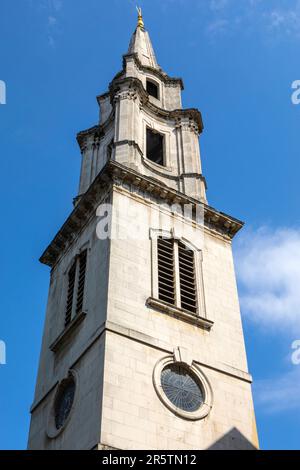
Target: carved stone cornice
189 126
114 172
101 97
125 95
131 143
197 176
168 81
97 132
134 89
133 86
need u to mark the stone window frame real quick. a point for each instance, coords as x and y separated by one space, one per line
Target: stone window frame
190 365
154 126
157 84
200 318
65 331
154 131
83 248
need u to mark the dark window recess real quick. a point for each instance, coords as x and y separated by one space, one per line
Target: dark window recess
187 278
152 89
166 275
155 147
81 281
70 295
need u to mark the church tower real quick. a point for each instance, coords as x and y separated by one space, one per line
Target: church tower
143 345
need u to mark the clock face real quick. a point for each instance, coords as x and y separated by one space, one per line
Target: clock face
182 388
64 402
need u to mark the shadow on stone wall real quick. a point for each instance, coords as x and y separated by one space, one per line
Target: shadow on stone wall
233 440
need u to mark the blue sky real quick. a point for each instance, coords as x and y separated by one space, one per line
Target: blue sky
238 59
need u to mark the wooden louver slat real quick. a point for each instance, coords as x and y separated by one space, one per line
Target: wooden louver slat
167 283
81 281
166 275
71 286
187 278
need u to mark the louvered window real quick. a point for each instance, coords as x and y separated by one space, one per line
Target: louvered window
70 296
76 285
166 271
81 281
187 278
176 274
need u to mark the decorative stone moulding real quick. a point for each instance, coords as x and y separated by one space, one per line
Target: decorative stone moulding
67 332
180 314
195 371
169 81
113 171
134 86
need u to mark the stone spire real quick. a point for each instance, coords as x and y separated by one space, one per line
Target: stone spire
141 45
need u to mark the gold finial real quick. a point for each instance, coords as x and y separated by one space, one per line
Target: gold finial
140 18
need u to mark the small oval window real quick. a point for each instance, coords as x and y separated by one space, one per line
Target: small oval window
64 402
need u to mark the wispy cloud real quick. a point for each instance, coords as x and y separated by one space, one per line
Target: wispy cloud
219 26
217 5
270 16
52 20
285 20
53 9
51 14
279 394
268 268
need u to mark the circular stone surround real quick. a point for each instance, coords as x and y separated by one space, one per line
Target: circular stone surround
183 389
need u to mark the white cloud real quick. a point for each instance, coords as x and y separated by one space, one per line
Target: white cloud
53 8
52 20
271 17
51 14
218 4
268 269
54 5
279 394
285 20
217 27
